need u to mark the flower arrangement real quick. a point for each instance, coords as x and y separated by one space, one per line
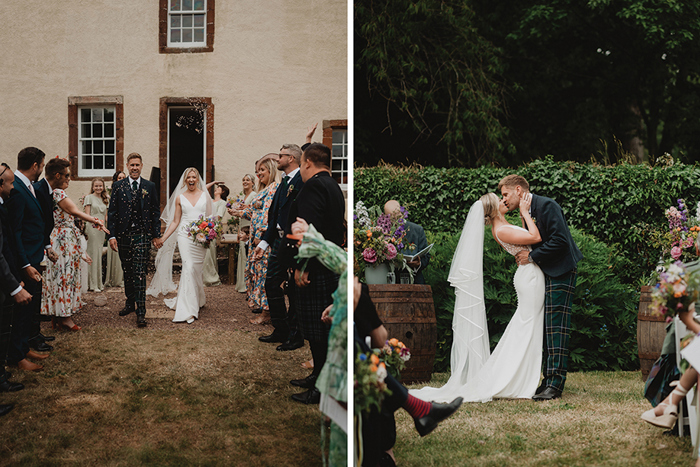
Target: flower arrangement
378 237
369 386
394 354
677 288
678 241
204 230
237 204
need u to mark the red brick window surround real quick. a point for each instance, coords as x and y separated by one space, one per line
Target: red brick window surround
95 136
186 26
335 136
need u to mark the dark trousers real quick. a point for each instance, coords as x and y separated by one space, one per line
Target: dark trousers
133 253
283 320
25 324
559 292
6 314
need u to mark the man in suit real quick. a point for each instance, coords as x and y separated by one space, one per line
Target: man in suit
134 221
557 256
284 321
29 242
11 290
414 242
320 203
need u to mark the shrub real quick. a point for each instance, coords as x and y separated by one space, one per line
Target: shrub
603 335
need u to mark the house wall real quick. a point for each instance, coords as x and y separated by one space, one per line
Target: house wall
278 66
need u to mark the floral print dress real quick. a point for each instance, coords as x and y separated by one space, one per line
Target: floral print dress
61 290
256 271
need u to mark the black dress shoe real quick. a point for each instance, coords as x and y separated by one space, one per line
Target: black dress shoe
5 409
272 338
41 347
306 383
48 338
44 318
291 345
548 394
312 396
438 412
141 321
127 310
11 387
256 310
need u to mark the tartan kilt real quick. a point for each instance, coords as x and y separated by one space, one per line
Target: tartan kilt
312 300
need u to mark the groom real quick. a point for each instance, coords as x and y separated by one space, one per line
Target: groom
557 256
134 220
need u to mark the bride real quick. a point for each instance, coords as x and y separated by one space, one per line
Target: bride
189 200
513 370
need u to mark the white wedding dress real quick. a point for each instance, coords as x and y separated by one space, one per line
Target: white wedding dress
513 370
190 294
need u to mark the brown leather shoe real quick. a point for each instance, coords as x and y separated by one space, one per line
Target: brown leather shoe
26 365
37 356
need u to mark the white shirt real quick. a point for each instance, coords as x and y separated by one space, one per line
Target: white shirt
25 180
263 244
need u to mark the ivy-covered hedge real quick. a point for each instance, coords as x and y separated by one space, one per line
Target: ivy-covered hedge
604 311
601 201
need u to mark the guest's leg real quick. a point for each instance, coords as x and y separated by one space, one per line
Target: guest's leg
276 276
6 313
558 295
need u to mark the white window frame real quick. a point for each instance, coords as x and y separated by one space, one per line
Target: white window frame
183 14
104 172
343 173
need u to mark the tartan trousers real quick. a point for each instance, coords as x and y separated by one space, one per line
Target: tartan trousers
133 253
558 295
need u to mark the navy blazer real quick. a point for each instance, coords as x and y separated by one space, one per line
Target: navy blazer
557 253
9 274
28 225
43 194
279 209
122 201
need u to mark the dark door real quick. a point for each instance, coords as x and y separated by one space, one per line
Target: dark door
186 142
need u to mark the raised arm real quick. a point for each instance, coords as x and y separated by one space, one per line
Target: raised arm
523 237
69 206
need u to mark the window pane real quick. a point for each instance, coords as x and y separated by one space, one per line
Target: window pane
199 35
338 136
87 162
174 5
186 35
109 115
187 21
198 21
86 130
98 147
109 130
109 147
338 151
176 21
199 5
85 115
87 148
97 130
96 115
336 165
109 162
98 162
187 5
175 35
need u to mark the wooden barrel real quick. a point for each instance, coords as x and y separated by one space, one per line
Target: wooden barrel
408 314
651 332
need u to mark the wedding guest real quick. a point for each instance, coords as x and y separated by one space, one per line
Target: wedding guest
62 290
247 196
11 290
414 242
95 205
256 269
114 276
210 269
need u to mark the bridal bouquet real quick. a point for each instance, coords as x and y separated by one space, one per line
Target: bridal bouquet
677 288
369 388
235 204
394 354
378 237
204 230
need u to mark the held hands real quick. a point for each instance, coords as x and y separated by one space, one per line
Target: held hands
158 243
302 280
32 274
258 254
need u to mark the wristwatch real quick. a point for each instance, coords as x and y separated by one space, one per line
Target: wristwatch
529 259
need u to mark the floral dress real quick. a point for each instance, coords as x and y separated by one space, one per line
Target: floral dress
256 271
61 293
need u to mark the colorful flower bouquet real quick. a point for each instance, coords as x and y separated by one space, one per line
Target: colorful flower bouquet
678 241
204 230
235 204
394 354
677 288
369 387
378 237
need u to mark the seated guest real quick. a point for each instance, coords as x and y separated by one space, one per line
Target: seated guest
414 242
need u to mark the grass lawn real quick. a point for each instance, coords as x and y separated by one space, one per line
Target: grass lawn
596 423
182 396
